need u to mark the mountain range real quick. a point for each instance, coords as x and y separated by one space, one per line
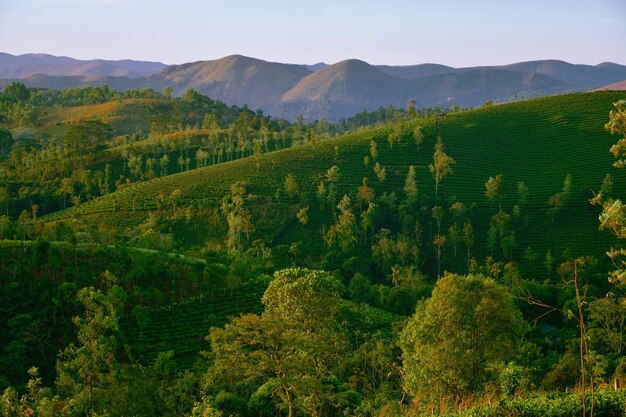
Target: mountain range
319 90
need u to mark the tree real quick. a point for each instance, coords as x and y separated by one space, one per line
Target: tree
85 370
373 150
559 200
294 345
381 173
441 166
571 274
164 164
237 217
455 339
210 122
607 186
85 141
454 237
303 215
365 194
343 232
410 109
332 177
608 322
617 125
410 186
368 220
522 194
16 92
613 216
439 241
494 189
6 142
468 241
418 135
291 186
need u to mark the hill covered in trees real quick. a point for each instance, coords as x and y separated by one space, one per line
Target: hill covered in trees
561 151
194 258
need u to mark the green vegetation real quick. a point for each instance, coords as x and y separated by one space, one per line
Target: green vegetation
175 256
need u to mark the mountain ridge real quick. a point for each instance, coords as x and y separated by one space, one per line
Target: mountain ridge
19 66
325 90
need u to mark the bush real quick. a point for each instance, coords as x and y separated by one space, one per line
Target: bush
231 405
607 404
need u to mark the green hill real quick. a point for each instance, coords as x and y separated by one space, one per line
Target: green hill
538 142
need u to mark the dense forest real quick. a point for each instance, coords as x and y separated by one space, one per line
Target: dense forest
170 256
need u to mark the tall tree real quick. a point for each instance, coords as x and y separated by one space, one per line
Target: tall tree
494 190
237 217
410 186
86 370
343 232
291 185
468 241
418 135
441 166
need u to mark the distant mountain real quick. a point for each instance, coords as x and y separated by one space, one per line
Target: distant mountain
583 75
350 86
20 66
333 91
615 86
235 80
474 87
341 90
315 67
413 72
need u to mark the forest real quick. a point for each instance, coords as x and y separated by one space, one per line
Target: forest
176 256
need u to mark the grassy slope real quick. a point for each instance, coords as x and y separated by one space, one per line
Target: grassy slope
537 141
124 116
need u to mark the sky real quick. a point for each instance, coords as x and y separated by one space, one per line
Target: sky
395 32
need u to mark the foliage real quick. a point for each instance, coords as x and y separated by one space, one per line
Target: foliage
550 405
456 337
613 216
294 344
441 166
85 371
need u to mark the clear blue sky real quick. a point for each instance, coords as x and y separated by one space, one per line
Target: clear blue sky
451 32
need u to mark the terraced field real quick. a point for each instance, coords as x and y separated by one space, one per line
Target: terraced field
537 141
181 327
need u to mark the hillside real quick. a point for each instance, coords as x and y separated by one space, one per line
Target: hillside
559 136
235 79
475 87
146 272
346 87
125 117
615 86
413 72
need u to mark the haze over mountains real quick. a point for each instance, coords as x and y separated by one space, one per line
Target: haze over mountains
332 91
20 66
